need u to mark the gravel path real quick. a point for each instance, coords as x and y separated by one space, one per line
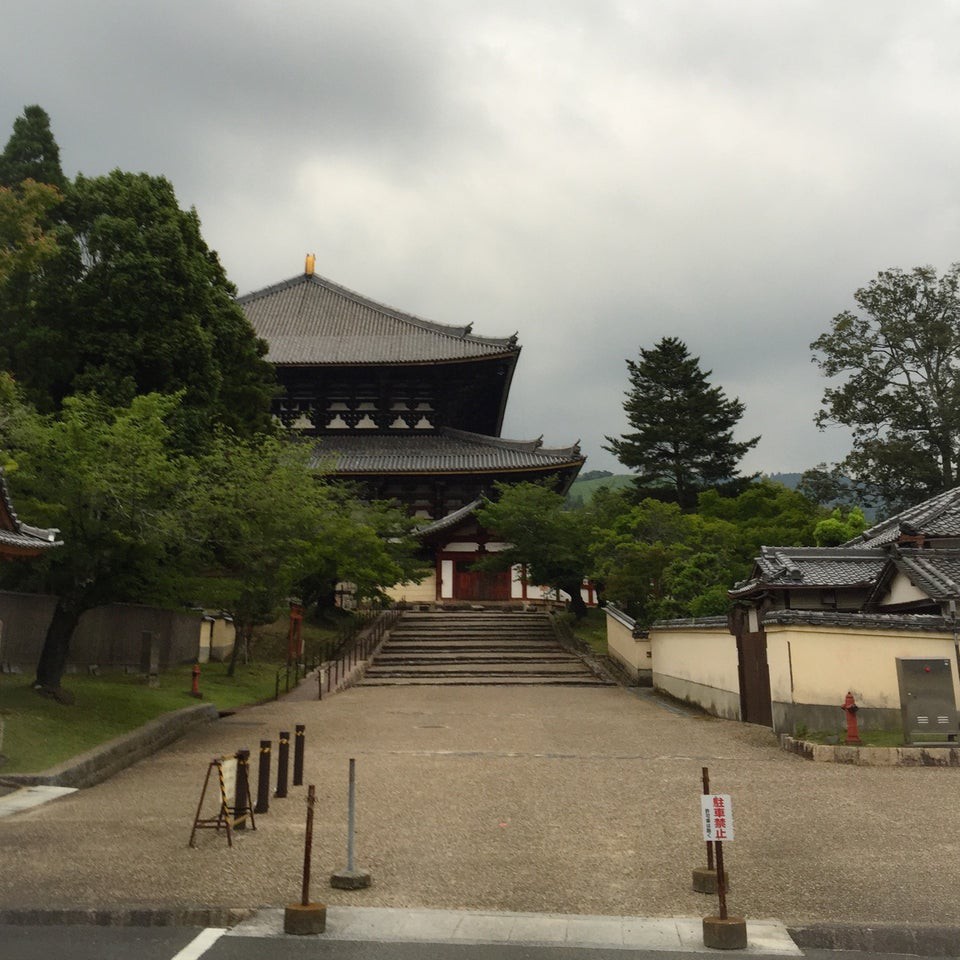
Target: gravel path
522 799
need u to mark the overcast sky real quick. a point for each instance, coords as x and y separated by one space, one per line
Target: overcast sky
593 175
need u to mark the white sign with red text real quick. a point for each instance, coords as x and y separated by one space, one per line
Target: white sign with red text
716 814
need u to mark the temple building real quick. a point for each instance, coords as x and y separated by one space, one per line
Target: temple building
19 540
410 410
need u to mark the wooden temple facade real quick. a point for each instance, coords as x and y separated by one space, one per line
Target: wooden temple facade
410 410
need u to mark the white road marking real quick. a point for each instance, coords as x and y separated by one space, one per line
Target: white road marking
200 944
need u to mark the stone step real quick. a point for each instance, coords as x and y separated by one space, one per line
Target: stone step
475 649
491 682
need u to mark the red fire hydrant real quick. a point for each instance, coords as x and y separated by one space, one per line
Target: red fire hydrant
853 732
195 689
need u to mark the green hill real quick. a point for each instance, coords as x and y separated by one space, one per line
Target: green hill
584 487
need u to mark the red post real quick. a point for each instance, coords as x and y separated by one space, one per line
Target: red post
853 731
195 689
294 633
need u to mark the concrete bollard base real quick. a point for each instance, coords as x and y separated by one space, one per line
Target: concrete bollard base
350 879
302 921
705 880
725 934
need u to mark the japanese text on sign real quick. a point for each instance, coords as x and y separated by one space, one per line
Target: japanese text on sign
716 814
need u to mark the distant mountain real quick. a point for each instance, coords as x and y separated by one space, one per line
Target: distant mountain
787 479
584 486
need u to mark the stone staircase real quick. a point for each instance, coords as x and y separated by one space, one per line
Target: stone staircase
476 648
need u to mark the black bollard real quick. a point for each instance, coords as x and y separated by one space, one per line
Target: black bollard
263 779
298 744
283 762
241 801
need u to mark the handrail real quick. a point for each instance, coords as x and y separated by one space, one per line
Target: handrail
334 659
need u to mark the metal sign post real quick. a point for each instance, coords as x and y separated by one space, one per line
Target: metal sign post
716 818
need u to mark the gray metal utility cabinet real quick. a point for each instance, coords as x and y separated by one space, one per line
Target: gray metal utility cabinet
927 704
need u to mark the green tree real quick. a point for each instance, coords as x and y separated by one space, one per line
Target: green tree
552 541
133 302
107 479
31 152
24 243
897 360
658 562
271 526
839 527
681 437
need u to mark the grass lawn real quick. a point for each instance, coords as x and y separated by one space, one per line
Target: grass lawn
870 738
39 732
593 630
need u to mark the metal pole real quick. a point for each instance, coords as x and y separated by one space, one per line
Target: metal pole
298 745
706 793
263 779
308 845
283 760
241 802
351 801
721 884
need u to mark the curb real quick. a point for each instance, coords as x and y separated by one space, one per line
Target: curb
946 756
922 941
102 762
126 916
932 940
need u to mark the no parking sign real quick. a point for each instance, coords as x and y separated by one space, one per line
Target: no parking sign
716 814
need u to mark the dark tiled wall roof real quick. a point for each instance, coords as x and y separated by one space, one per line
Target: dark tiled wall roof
885 621
310 320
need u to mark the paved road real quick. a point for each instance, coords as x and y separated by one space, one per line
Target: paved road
574 801
173 943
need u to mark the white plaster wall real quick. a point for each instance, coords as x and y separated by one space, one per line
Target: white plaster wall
829 661
423 592
516 582
703 655
903 591
633 654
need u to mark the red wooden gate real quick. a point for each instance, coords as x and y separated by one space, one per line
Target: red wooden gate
471 584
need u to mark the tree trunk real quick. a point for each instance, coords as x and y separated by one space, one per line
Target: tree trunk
239 637
56 645
577 606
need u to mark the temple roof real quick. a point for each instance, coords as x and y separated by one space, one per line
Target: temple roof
448 451
17 538
935 572
813 567
309 320
449 521
935 518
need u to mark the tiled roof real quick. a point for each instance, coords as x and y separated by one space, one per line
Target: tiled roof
884 621
449 521
935 572
687 622
818 567
937 517
310 320
449 451
19 535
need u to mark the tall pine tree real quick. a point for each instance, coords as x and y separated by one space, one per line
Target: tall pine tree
681 429
132 302
31 152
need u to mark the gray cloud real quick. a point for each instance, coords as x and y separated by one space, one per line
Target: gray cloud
591 175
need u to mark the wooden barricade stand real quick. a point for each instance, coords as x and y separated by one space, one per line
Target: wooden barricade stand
227 768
